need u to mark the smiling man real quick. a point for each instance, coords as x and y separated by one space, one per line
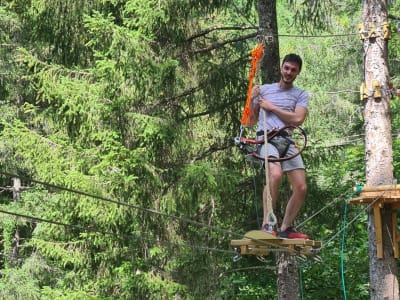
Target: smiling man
284 104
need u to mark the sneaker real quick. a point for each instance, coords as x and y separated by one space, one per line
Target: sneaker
290 233
266 228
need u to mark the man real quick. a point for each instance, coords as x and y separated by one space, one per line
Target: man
283 104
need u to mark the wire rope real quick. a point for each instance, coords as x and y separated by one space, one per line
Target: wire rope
255 192
96 230
325 243
338 199
185 220
137 207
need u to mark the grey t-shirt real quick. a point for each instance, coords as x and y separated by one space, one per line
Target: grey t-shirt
286 99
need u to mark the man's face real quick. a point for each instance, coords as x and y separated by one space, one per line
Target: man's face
289 72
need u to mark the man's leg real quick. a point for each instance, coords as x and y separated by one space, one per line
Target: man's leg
297 179
275 178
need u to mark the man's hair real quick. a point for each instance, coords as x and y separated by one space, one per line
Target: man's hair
293 58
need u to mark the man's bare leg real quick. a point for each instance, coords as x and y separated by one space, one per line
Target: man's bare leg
297 179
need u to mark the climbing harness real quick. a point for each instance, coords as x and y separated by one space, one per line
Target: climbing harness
287 135
281 138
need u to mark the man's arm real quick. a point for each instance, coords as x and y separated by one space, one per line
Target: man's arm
295 118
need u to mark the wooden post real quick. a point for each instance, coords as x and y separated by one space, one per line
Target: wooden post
378 230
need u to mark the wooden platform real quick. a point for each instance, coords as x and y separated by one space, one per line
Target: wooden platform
257 242
378 197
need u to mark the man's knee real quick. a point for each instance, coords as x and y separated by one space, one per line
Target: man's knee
275 173
300 188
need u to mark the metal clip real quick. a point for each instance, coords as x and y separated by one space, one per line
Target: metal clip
261 258
237 257
371 31
363 92
268 39
386 30
361 31
377 89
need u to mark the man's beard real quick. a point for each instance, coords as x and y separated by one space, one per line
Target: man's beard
288 81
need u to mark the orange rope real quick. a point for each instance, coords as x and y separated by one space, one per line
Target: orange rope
256 56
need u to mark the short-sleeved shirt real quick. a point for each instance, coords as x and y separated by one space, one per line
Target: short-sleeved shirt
286 99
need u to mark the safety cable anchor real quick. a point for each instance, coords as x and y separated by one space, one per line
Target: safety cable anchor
373 31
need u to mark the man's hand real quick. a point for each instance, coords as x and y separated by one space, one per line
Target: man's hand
255 92
266 105
295 118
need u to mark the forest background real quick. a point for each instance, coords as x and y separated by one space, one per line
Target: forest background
119 118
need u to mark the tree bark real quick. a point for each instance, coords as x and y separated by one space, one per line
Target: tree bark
286 265
378 146
287 276
270 64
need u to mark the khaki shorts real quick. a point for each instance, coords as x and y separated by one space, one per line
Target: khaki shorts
287 165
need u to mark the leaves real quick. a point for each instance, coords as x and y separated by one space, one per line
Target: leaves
119 117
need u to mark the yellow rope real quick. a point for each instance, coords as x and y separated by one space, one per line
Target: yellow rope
271 218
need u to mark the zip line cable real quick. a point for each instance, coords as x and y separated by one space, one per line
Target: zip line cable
37 219
254 173
95 230
186 220
336 200
137 207
325 243
152 211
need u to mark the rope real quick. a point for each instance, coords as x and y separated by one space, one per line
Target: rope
343 243
271 218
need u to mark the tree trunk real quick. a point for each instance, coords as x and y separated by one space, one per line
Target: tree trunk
378 145
286 265
16 189
287 276
270 65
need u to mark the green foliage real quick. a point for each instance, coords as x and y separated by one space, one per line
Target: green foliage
119 116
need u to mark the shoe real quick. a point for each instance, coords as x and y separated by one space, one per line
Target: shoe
266 228
290 233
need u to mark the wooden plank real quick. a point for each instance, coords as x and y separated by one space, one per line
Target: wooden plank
378 231
367 200
258 251
276 242
380 194
259 235
357 200
243 249
389 187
